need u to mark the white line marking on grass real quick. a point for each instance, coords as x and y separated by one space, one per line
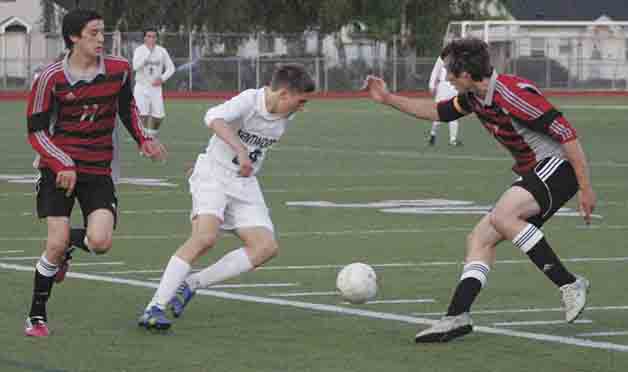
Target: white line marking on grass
603 334
8 252
386 265
402 301
112 263
19 258
247 285
530 310
305 294
344 310
595 107
323 233
539 322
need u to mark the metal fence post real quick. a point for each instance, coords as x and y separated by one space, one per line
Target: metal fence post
317 70
190 86
239 60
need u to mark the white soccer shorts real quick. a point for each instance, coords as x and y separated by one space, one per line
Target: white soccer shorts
445 91
149 101
237 201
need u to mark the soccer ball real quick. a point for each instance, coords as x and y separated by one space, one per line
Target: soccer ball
357 283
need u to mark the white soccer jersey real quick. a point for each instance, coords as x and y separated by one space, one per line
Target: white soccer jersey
439 85
149 65
258 129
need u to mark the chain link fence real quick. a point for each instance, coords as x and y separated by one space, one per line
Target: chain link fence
234 62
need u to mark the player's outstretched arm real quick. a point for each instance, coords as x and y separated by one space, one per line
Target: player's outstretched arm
420 108
586 195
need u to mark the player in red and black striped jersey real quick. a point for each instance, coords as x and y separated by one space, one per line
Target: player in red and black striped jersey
72 112
548 158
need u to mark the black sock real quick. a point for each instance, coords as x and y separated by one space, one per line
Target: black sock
466 292
41 293
77 238
546 260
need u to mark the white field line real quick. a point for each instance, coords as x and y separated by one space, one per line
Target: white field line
346 311
10 252
110 263
603 334
539 322
247 285
529 310
386 265
305 294
402 301
321 233
423 155
19 258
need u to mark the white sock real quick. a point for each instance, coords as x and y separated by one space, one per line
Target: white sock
435 125
453 131
476 269
229 266
527 238
173 276
45 267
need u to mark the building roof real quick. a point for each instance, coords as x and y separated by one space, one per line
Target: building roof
568 10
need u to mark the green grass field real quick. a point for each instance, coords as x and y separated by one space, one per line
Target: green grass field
348 152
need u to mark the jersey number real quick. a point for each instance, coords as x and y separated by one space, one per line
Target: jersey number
253 155
89 112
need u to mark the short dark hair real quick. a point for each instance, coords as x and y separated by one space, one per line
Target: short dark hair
150 29
468 55
74 22
293 77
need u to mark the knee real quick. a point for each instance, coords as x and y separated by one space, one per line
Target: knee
204 241
99 244
57 244
499 219
272 249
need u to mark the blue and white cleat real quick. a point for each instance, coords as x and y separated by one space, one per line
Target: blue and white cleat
181 299
154 318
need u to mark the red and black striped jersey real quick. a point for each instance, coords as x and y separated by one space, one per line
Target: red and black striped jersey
517 114
70 123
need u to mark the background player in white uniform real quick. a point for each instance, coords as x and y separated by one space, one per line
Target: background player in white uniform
225 192
152 66
442 90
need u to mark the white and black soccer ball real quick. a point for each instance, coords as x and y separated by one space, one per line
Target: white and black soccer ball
357 283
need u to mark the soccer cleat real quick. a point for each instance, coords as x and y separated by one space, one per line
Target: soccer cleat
65 265
36 327
574 298
456 143
154 318
431 140
446 329
183 296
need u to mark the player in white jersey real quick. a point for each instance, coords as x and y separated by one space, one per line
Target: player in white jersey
226 194
442 90
152 66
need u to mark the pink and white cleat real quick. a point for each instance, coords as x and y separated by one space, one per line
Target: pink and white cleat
36 327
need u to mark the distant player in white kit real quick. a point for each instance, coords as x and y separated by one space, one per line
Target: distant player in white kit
442 90
226 194
152 66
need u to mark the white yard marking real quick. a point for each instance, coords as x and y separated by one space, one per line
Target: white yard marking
19 258
111 263
539 322
344 310
402 301
246 285
9 252
530 310
305 294
603 334
385 265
